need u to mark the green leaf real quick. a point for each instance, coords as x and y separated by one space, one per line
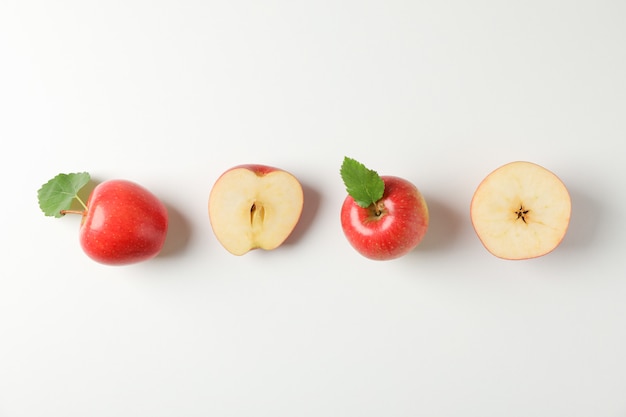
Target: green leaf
57 194
363 184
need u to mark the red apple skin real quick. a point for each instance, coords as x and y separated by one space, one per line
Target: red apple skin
399 228
124 223
258 169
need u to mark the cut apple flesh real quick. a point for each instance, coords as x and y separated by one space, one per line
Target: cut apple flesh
250 210
520 211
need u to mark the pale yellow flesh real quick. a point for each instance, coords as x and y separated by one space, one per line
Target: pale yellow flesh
498 199
248 211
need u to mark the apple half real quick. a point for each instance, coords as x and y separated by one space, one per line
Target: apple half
254 206
521 211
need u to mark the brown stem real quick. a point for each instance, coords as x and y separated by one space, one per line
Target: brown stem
379 207
64 212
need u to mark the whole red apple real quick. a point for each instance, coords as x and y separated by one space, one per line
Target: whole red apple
385 225
122 222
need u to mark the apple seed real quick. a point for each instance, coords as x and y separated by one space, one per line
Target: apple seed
521 213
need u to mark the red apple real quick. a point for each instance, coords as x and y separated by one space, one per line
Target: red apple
386 223
254 206
122 222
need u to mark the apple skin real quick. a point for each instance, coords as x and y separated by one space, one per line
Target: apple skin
258 169
124 223
399 228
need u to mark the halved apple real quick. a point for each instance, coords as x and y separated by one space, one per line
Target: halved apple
521 211
254 206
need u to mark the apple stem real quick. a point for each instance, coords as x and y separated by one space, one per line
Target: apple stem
379 207
81 212
64 212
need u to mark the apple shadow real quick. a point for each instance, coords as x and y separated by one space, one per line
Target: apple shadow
444 226
178 233
312 199
586 214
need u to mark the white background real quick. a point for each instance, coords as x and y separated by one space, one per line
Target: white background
172 93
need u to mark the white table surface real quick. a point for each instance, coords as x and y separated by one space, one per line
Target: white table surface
172 93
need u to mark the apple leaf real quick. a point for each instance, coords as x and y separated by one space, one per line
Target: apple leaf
363 184
57 195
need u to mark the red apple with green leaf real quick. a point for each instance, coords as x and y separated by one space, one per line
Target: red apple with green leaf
122 222
383 217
